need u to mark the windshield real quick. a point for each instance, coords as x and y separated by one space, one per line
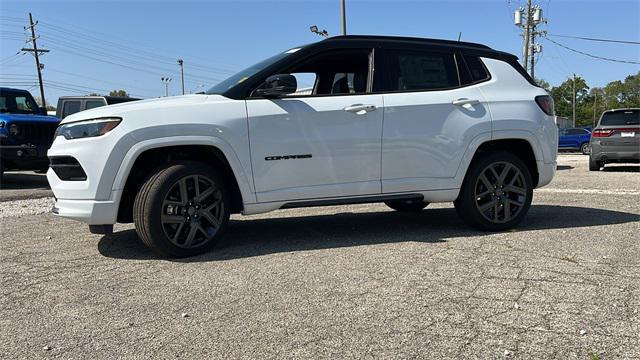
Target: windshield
243 75
17 103
622 117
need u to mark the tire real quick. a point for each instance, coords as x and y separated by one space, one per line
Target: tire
585 148
407 205
169 216
594 165
485 199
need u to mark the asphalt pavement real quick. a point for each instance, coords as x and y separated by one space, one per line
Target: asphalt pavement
356 281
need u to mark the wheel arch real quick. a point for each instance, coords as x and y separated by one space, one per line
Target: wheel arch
149 155
521 147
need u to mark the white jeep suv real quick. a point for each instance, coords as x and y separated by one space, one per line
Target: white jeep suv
351 119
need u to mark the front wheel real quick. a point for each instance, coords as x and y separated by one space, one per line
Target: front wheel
585 148
496 193
181 209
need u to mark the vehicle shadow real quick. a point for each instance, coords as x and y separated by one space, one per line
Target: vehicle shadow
248 238
15 181
564 167
627 168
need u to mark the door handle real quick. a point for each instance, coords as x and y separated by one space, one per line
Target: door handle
360 109
465 101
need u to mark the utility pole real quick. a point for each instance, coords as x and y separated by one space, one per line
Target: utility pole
36 52
343 14
181 63
574 100
166 81
528 19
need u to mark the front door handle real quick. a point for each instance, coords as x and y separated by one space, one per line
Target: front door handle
360 109
465 101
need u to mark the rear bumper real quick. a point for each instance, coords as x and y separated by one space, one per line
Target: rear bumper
546 172
615 154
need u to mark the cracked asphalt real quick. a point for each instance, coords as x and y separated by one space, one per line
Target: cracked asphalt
339 282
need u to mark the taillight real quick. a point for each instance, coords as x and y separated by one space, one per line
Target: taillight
602 132
546 103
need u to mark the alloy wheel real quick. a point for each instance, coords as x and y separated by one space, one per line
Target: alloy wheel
192 211
500 192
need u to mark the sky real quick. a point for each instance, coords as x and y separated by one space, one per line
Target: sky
98 46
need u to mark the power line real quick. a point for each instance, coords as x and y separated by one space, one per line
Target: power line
594 56
596 39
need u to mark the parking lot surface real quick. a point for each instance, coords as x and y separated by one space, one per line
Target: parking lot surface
338 282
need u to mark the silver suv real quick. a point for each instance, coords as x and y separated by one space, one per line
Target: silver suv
616 139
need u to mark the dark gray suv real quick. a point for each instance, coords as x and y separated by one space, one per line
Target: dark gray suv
616 139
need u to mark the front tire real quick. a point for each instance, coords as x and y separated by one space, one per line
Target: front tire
585 148
181 209
407 205
496 193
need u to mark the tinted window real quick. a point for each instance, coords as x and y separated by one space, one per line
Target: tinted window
70 107
476 68
623 117
413 70
18 103
90 104
577 131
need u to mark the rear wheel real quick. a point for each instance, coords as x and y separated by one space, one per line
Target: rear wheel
181 210
594 165
496 193
585 148
407 205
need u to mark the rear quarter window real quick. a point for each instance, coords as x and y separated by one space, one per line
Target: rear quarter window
621 118
476 68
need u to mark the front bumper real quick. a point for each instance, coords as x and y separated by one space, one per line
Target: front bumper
25 156
92 212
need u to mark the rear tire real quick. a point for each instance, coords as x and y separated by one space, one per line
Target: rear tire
491 199
407 205
585 148
181 209
594 165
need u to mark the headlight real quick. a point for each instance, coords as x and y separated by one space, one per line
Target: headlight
13 130
87 128
1 124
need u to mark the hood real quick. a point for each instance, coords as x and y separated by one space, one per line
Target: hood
120 110
13 118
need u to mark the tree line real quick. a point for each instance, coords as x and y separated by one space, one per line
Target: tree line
592 101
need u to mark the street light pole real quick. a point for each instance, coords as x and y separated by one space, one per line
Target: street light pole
166 81
343 14
181 63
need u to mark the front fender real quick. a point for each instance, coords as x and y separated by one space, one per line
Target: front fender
242 176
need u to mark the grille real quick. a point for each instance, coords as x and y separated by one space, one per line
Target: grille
34 133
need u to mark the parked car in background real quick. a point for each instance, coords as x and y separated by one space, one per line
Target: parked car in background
616 139
26 132
463 123
574 139
68 105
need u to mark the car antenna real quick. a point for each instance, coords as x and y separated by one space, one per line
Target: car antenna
459 36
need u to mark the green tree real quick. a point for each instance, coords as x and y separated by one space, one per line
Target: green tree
543 84
563 99
120 93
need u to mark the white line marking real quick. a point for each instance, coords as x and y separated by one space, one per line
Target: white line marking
589 191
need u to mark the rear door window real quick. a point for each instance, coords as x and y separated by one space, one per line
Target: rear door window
621 118
70 107
410 70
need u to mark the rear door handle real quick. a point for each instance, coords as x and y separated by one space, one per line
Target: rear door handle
360 109
465 101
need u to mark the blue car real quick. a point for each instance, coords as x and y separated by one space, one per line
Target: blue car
574 139
26 132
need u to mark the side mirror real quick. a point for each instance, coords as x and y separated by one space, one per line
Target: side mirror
278 85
